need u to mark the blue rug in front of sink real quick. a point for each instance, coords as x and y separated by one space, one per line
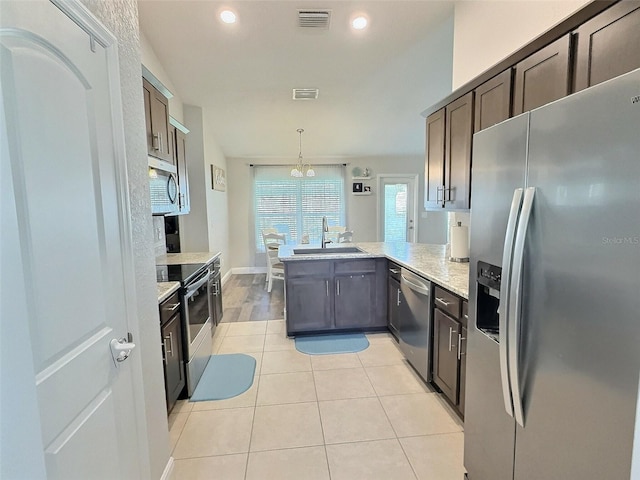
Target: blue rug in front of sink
332 343
225 376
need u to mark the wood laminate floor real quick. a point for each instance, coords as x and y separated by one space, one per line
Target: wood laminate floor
245 299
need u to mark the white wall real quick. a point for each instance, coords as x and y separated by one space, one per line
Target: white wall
194 234
486 32
150 60
217 201
206 227
361 210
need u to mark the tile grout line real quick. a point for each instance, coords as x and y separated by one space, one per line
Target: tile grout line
253 419
324 439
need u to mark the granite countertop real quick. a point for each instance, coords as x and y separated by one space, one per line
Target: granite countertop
186 258
429 261
165 289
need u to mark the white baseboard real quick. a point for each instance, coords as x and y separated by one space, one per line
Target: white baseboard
248 270
226 277
168 470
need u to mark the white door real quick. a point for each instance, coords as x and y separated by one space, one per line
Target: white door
396 208
65 242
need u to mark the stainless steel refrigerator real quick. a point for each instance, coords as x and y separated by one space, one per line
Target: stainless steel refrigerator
553 355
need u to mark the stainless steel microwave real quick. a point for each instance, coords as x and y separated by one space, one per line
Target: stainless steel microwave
164 192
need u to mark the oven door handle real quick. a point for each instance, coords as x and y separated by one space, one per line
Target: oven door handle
195 286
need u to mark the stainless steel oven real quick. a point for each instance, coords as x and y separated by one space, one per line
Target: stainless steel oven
197 315
215 287
198 325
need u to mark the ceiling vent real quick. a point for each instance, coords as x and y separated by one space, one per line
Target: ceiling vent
314 18
305 93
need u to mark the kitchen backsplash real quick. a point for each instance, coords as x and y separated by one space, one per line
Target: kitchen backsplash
159 240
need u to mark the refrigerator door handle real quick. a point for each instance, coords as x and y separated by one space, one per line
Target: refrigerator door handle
515 304
503 311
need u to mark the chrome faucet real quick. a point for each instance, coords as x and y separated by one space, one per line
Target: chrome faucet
325 229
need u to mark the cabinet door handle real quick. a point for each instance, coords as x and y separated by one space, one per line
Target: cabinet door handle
156 141
443 301
164 355
398 298
460 339
170 338
450 335
338 287
174 307
327 284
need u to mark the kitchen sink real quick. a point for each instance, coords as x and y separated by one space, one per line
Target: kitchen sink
326 251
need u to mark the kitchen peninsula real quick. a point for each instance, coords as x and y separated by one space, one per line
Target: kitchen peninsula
330 290
412 289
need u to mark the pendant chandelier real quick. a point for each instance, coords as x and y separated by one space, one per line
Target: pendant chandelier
302 169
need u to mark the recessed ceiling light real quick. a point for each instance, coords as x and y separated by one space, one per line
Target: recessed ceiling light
227 16
359 23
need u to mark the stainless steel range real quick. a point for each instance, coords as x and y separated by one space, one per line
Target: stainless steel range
197 316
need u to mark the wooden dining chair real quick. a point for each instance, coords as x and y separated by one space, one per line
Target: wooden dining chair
333 232
272 241
345 237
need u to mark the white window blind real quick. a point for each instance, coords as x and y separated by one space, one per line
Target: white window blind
295 206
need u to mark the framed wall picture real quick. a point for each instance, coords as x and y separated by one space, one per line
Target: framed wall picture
218 179
357 187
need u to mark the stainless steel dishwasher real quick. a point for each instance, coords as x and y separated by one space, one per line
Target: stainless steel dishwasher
415 326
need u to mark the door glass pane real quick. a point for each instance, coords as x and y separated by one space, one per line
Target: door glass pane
395 212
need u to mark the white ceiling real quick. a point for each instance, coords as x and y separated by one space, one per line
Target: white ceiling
373 84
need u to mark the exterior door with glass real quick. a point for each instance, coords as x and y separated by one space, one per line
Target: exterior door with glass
396 207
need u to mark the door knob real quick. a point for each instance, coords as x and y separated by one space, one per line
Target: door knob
121 349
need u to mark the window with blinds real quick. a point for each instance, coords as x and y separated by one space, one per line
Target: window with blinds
295 206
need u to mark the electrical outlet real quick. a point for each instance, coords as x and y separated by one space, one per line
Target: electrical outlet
221 261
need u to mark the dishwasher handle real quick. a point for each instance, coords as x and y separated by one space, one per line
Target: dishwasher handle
415 283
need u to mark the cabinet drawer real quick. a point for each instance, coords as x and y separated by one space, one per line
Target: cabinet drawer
447 302
308 267
169 307
355 266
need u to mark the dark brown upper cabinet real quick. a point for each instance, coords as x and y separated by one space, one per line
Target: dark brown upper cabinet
608 45
493 101
543 77
457 154
448 159
434 167
156 109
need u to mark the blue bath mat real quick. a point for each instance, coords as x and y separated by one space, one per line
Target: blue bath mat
334 343
225 376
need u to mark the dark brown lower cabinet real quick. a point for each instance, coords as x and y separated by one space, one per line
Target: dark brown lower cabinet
445 353
462 357
450 346
173 359
334 295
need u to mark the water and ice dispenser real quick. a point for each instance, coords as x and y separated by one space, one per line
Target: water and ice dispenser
488 299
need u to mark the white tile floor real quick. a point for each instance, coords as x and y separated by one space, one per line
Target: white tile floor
351 416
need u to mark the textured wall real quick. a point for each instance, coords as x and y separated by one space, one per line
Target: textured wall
121 18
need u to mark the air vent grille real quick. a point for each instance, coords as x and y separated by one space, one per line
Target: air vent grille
314 18
305 93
